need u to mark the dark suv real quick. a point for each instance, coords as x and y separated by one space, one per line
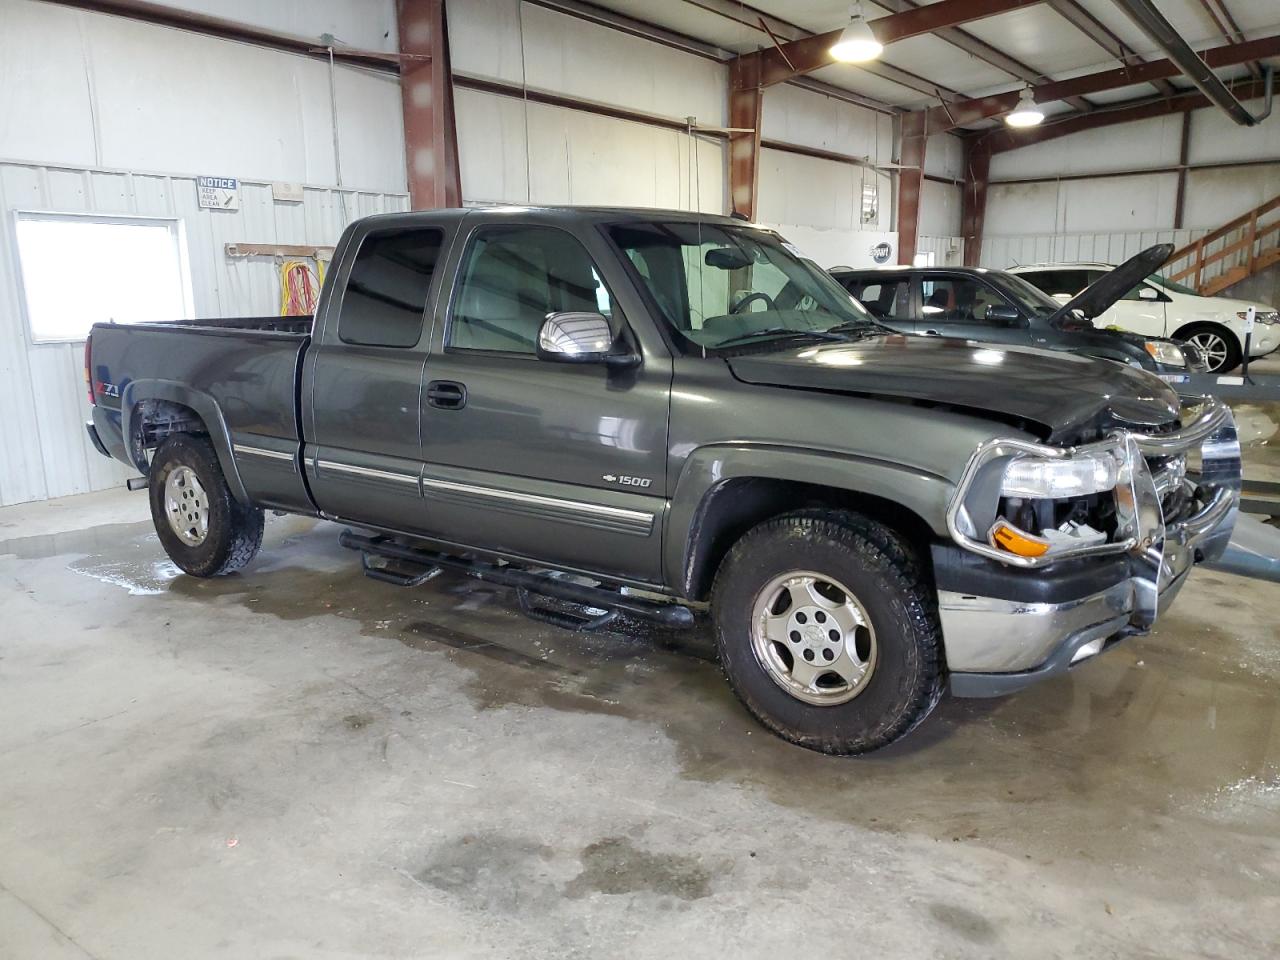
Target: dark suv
998 307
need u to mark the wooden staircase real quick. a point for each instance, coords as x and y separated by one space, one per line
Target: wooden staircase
1234 251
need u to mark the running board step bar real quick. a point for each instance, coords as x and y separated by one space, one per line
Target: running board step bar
424 563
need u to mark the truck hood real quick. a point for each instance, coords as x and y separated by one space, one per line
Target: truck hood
1068 397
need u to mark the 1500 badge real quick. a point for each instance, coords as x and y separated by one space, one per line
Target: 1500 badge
626 481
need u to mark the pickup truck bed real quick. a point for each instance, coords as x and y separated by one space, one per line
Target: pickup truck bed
239 374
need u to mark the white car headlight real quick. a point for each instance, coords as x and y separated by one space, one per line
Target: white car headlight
1170 354
1042 478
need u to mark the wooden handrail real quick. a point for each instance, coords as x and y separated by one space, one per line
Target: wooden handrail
1197 266
1245 218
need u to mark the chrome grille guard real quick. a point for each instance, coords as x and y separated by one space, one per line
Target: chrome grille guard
1141 529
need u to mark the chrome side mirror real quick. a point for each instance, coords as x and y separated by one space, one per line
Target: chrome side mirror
574 337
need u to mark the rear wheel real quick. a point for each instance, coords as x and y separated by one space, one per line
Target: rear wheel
203 528
1218 345
827 631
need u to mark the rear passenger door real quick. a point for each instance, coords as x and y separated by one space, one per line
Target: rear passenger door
544 460
363 380
887 298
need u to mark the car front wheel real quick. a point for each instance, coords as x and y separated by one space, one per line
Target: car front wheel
827 631
1218 345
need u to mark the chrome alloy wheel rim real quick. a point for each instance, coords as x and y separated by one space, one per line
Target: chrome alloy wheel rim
813 637
187 506
1212 347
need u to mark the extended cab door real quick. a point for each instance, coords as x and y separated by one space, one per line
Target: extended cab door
362 385
557 461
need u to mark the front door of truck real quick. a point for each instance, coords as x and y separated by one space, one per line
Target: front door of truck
545 460
363 383
963 306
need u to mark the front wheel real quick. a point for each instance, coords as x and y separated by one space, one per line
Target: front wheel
827 631
204 529
1218 345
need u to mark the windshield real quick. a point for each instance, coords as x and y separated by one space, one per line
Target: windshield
1171 285
719 286
1033 301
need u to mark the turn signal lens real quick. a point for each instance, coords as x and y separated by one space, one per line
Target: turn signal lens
1006 536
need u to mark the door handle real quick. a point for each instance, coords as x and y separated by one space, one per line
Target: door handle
446 394
932 333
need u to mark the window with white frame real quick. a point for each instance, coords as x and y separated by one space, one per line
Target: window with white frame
82 269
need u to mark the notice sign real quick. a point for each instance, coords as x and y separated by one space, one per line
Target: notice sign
219 193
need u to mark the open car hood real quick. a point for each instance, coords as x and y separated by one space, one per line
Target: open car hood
1066 395
1094 299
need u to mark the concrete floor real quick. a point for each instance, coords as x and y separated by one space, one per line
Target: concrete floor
299 762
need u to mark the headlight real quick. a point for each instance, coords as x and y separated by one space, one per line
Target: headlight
1261 316
1045 479
1170 354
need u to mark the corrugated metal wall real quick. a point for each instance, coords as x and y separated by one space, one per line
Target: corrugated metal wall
1001 252
43 448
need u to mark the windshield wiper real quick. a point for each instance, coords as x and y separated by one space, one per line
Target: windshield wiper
780 332
865 327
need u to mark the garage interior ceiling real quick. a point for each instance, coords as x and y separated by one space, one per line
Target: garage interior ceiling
1049 41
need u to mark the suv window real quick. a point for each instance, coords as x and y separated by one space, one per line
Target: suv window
386 294
1055 282
512 277
957 299
884 297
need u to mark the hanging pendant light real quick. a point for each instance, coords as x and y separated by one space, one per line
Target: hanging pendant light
857 44
1027 113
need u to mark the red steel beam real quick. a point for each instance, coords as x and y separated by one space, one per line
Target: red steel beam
973 202
1001 141
786 61
426 89
910 184
744 146
958 114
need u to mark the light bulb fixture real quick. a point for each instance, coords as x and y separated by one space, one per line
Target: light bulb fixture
857 43
1026 113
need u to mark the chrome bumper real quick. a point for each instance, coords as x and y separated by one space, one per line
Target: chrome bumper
994 646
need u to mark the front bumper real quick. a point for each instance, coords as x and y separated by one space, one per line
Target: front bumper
1003 632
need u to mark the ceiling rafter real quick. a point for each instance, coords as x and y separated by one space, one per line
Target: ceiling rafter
1000 140
1225 22
1095 30
983 51
971 111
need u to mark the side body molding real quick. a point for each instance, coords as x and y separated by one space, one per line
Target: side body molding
202 403
690 529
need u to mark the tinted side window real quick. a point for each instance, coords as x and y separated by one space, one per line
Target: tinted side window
1053 282
386 295
512 277
883 298
957 299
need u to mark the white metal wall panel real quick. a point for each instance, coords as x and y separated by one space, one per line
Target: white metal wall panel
571 56
367 24
43 448
1146 143
794 115
940 209
1105 204
1000 252
134 96
583 158
819 193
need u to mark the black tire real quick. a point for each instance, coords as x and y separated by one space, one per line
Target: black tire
1234 352
234 530
905 683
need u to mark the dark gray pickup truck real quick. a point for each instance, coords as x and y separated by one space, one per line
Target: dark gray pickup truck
637 412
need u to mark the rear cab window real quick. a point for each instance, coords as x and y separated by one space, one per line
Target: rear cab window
884 297
385 298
